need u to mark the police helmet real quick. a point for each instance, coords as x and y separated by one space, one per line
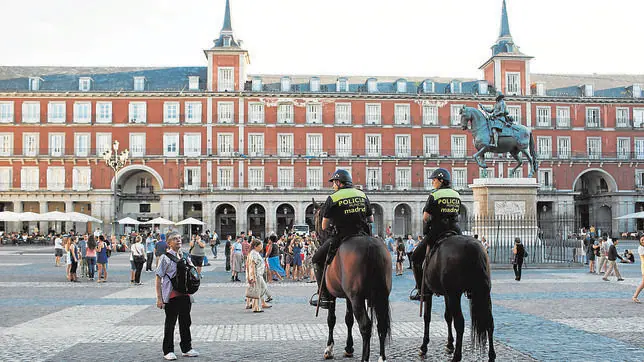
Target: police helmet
441 174
343 176
499 95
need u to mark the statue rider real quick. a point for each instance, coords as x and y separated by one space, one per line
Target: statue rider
349 211
440 219
497 117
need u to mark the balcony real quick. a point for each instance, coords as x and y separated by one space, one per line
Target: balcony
142 193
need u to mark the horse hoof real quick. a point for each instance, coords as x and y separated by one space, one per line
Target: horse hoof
449 348
380 359
348 354
328 355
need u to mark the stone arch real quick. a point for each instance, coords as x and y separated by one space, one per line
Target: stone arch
610 181
131 169
402 219
284 217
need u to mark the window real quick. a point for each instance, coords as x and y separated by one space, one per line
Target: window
84 84
543 117
372 85
374 180
487 172
29 179
192 178
82 112
285 84
285 177
638 117
81 178
458 146
138 112
545 179
30 144
171 144
314 84
56 112
313 145
193 82
544 147
313 113
6 112
144 208
81 144
623 148
257 84
31 112
455 87
374 145
256 144
171 112
540 89
592 117
6 178
515 113
403 178
55 178
343 85
137 144
56 144
517 174
459 178
255 178
256 113
639 148
103 143
314 178
427 179
6 144
428 86
588 90
225 112
284 113
513 83
226 79
372 111
225 179
34 83
639 178
285 145
563 117
401 114
343 145
430 145
225 145
193 112
401 86
621 116
139 84
403 145
594 147
430 115
343 113
563 147
455 114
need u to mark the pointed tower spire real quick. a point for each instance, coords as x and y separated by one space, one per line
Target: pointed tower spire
505 44
229 28
505 25
226 38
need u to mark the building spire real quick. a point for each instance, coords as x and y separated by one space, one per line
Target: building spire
226 38
505 25
229 28
505 44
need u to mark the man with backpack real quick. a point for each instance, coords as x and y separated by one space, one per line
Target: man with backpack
174 285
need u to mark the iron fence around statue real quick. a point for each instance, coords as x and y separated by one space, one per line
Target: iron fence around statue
550 240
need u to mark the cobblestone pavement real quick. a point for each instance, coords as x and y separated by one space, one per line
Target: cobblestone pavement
551 315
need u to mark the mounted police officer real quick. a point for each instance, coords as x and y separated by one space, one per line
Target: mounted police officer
349 211
498 117
440 219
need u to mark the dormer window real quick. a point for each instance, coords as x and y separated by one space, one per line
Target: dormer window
314 84
226 41
343 85
455 86
587 90
193 82
540 89
257 84
286 84
401 86
372 85
84 84
139 84
34 83
428 86
482 85
637 90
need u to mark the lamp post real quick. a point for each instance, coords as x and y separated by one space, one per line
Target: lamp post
115 161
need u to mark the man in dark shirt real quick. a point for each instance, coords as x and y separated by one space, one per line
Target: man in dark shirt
613 255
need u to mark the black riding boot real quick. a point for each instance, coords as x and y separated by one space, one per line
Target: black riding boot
418 276
324 299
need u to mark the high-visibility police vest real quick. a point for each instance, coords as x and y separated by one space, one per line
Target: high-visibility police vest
445 209
349 210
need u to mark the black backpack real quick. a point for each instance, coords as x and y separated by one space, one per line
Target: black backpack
187 279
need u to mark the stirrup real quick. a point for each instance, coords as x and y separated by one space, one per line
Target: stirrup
324 303
414 294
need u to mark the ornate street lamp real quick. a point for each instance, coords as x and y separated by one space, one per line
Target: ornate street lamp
116 161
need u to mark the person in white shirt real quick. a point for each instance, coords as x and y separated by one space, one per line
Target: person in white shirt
58 248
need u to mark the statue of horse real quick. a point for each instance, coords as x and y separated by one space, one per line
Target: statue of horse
516 139
360 272
460 265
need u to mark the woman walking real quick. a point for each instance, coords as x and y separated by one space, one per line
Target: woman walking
400 256
101 260
297 258
255 277
74 256
640 251
138 255
517 262
276 272
91 257
197 252
67 241
236 250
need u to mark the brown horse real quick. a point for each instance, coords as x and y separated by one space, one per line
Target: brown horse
361 273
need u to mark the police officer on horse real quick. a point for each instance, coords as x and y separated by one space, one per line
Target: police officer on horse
349 211
440 219
498 117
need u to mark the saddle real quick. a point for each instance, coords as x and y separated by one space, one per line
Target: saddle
432 248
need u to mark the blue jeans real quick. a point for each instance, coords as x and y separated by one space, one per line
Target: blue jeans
214 251
91 266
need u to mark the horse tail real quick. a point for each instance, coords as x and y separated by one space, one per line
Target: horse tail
378 294
533 153
481 302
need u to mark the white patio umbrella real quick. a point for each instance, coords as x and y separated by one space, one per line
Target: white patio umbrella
29 216
129 221
55 216
80 217
9 216
190 221
159 221
635 215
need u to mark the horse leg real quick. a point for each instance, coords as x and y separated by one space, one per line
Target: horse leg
517 156
530 161
490 332
426 319
348 320
360 312
459 324
477 156
448 320
330 321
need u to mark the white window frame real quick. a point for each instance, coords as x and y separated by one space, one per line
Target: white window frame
455 114
225 79
285 145
193 82
623 148
517 174
192 177
137 112
225 177
226 112
256 84
487 172
373 178
6 144
29 178
402 114
193 112
639 179
375 116
563 117
56 112
314 113
622 118
402 143
343 85
139 84
403 178
83 112
100 147
373 145
544 116
34 83
343 144
314 84
401 86
170 139
431 145
55 178
638 117
545 178
6 178
594 147
314 178
427 181
81 178
84 84
255 177
285 113
256 144
103 112
30 112
458 146
285 178
171 112
564 148
639 148
55 149
79 151
589 121
515 113
513 83
225 144
285 84
430 115
457 173
428 87
256 112
372 85
343 113
544 147
6 112
314 145
137 150
26 143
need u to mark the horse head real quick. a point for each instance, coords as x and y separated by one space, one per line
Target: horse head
466 117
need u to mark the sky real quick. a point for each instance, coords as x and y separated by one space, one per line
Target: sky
449 38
